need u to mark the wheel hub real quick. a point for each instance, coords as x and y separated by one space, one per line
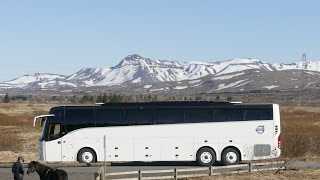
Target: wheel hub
206 157
231 157
87 157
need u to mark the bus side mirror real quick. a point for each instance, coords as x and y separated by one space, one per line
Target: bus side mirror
42 122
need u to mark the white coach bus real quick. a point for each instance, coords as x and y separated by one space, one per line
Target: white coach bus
202 131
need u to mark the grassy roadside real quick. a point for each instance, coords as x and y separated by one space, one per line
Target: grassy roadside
17 134
300 136
270 175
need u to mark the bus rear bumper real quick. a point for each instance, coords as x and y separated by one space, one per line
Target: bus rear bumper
276 152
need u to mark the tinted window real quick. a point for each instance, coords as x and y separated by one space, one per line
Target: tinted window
139 116
197 115
109 117
227 114
58 114
79 118
53 131
257 114
168 116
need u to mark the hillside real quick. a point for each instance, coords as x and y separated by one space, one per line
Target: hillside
147 75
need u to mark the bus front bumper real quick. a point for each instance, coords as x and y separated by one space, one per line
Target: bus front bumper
42 151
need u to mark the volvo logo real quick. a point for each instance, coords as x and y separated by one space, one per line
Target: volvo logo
260 129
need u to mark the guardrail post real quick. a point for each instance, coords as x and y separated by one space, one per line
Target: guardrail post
139 174
250 167
285 165
175 174
96 176
102 175
210 171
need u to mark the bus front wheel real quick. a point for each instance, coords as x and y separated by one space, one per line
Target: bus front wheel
230 156
87 155
206 157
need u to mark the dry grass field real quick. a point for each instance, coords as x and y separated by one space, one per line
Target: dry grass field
300 135
17 134
268 175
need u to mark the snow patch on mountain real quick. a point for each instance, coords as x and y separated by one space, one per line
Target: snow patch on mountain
67 84
234 84
138 80
194 81
160 89
224 77
180 87
270 87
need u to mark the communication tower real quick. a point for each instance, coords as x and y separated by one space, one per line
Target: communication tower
304 77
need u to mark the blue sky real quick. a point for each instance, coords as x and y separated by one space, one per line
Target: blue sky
64 36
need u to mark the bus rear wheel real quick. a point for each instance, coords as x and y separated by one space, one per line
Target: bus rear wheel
87 155
206 157
230 156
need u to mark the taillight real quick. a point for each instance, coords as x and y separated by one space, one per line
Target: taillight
279 141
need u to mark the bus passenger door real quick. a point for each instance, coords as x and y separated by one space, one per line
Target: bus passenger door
53 143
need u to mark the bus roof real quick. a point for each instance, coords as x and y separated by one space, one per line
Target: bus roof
158 103
161 104
170 103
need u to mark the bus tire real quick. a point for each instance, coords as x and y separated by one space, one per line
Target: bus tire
206 157
87 155
230 156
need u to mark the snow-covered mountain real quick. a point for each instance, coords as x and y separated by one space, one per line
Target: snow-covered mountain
36 81
310 66
136 69
146 73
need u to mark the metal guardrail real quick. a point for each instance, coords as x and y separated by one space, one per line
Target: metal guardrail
190 172
56 164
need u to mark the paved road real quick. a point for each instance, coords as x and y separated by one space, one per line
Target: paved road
74 173
87 173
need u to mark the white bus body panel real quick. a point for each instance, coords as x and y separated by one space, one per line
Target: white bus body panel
164 142
53 150
174 142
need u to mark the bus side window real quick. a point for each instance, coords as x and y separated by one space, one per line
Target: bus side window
168 116
77 118
109 117
257 114
54 131
227 114
197 115
139 116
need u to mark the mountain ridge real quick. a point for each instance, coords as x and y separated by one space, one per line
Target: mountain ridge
135 70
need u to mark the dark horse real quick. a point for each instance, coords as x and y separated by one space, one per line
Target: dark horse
45 172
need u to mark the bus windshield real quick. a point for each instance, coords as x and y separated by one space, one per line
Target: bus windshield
53 129
43 125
